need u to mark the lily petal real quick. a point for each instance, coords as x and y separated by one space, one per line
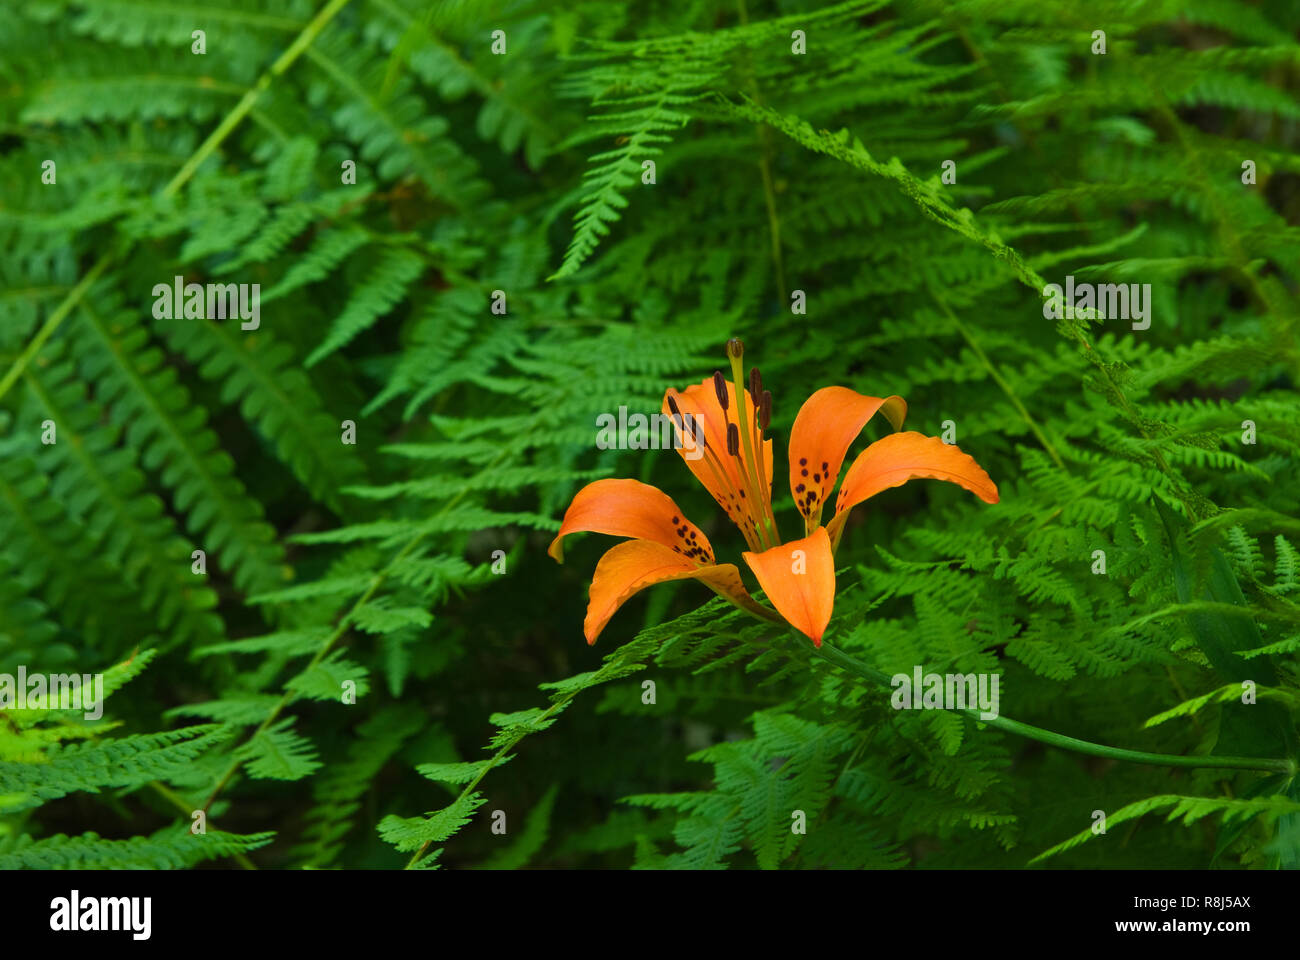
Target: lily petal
700 401
799 578
900 457
827 423
630 508
629 567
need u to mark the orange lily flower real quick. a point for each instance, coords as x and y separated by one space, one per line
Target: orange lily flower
734 462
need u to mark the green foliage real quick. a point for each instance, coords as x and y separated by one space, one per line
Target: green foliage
463 261
172 849
1190 809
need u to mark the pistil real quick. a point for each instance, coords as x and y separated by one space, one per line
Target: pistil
735 351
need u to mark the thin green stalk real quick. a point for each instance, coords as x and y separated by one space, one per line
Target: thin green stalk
765 167
174 798
205 150
854 666
52 323
997 378
489 766
236 116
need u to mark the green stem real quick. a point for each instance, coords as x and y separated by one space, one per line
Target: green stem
55 319
174 798
765 167
1288 767
214 140
491 765
998 379
236 116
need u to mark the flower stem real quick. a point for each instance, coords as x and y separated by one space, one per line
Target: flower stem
854 666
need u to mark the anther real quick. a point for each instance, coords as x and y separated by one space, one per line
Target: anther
720 388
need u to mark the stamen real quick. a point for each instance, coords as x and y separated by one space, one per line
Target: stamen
722 483
761 421
739 518
720 388
749 496
748 470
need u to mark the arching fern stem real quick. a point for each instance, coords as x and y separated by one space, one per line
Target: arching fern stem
857 667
